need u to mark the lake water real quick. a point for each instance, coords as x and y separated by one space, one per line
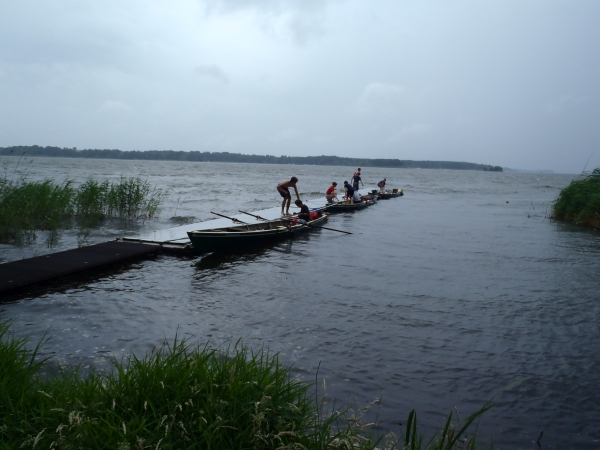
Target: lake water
440 299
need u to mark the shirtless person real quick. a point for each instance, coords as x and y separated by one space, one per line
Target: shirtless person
283 189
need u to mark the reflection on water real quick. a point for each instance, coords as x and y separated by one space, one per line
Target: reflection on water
224 261
438 299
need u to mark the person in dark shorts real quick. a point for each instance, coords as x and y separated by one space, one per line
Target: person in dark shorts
356 179
304 213
349 192
284 191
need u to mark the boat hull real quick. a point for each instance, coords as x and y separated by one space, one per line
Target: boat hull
389 195
234 238
345 207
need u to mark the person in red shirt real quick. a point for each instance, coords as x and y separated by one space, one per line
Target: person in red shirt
330 194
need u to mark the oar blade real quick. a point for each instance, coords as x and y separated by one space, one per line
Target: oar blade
333 229
319 226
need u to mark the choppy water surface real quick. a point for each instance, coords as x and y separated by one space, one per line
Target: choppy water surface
439 299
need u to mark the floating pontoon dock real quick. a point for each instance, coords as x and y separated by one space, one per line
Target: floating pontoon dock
178 235
31 271
26 272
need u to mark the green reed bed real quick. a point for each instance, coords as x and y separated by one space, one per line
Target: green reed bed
579 202
132 198
179 396
27 206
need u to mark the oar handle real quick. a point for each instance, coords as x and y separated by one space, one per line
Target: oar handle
227 217
253 215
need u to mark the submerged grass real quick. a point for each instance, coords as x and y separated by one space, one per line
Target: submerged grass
579 202
179 396
27 206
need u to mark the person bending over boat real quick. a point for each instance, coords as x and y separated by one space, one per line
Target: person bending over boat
381 185
330 194
304 214
284 191
356 179
349 192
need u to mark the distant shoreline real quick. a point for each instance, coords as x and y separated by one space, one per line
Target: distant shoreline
196 156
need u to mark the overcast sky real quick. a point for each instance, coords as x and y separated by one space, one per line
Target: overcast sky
510 83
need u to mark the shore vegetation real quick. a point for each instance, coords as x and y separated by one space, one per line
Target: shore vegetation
182 396
579 202
27 206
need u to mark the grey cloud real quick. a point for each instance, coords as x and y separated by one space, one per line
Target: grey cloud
565 102
301 20
513 84
376 96
114 106
50 33
305 28
289 134
212 72
400 134
272 7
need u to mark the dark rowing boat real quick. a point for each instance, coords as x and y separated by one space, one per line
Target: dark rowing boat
393 194
232 238
346 206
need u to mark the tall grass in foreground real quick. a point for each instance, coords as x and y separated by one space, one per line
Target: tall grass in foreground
27 206
579 202
179 396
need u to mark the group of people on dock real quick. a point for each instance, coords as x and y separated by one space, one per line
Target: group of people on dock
350 194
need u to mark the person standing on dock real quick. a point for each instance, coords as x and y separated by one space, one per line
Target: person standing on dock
284 191
330 194
349 192
356 179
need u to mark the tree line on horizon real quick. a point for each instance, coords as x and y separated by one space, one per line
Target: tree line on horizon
196 156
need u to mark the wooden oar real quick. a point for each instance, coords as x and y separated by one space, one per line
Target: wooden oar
253 215
317 226
330 229
230 218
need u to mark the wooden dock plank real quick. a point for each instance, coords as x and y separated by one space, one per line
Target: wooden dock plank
27 272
